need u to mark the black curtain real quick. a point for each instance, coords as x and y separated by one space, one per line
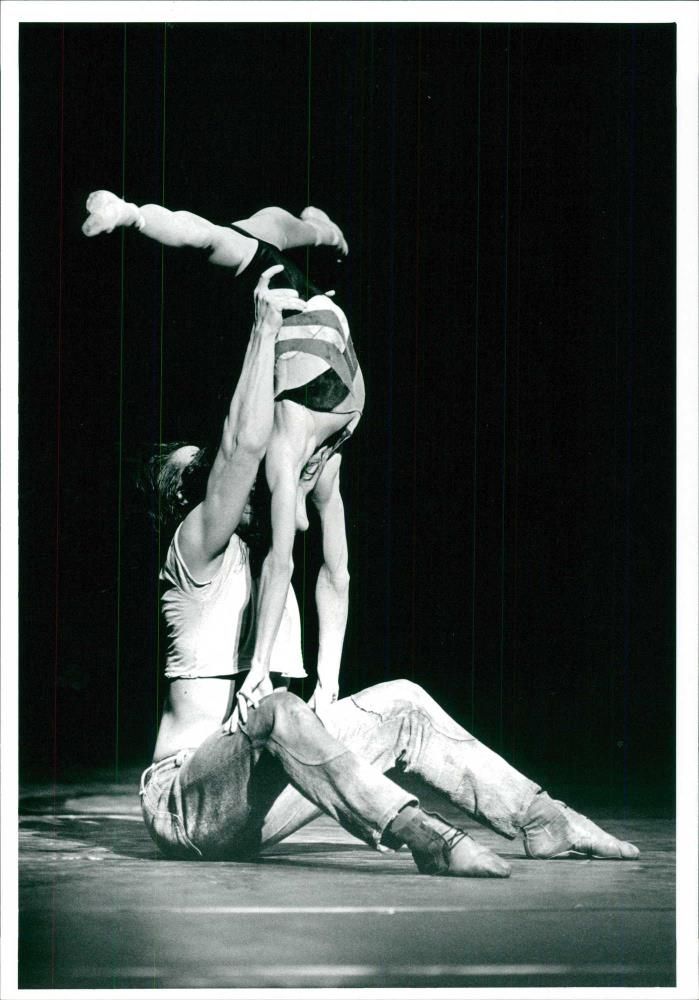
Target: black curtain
508 194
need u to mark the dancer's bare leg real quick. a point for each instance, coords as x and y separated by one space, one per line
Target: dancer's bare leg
285 231
226 246
172 229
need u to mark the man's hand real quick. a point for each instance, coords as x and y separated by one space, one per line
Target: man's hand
321 699
257 685
269 302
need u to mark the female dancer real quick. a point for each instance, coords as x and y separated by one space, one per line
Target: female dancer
319 398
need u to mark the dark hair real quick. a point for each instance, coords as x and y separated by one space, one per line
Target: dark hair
161 480
170 490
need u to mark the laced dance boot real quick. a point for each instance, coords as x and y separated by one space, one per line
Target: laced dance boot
441 849
552 830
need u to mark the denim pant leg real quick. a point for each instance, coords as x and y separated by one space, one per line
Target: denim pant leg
398 725
161 809
283 759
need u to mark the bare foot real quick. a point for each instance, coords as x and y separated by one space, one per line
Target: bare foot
552 830
107 211
328 233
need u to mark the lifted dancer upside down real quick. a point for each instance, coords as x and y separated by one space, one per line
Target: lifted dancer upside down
319 394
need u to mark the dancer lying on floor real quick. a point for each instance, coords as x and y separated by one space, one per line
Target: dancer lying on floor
212 793
319 391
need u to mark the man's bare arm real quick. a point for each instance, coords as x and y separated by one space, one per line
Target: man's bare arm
206 531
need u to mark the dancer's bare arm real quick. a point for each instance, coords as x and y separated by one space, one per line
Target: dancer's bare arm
206 531
290 446
332 587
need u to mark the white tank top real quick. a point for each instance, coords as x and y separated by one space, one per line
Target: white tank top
211 623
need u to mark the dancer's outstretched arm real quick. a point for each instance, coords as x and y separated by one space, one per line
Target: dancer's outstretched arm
290 447
332 587
207 529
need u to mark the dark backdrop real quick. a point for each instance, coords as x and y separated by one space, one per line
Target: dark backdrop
508 196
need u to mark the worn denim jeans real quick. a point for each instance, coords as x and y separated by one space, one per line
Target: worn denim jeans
238 793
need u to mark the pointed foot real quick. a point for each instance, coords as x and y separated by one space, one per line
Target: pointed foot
551 830
467 859
329 234
107 211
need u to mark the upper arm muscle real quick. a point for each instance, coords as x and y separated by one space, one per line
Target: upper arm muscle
207 529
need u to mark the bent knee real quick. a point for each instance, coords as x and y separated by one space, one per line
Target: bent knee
290 716
391 696
269 224
262 720
275 211
287 705
299 735
403 688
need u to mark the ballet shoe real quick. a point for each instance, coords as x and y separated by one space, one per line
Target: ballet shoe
107 211
441 849
468 859
328 233
552 830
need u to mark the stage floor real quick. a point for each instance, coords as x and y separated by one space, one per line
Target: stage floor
100 909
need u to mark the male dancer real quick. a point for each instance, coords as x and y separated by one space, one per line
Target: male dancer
216 793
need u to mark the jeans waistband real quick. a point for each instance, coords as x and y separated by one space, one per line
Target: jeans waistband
174 760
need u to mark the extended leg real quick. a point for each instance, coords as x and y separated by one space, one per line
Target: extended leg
552 830
172 229
227 247
285 231
398 725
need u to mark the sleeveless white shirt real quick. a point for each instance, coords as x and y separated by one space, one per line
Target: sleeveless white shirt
211 623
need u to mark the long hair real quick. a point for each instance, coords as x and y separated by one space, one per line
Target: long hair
257 535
